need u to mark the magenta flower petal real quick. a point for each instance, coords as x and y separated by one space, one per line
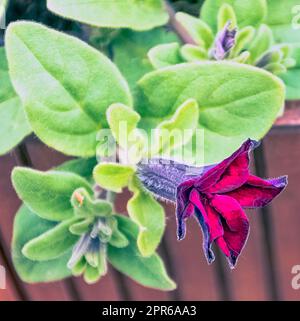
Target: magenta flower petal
235 224
183 209
230 174
181 216
210 257
258 192
209 221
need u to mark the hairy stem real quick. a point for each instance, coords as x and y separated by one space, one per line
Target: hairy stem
177 27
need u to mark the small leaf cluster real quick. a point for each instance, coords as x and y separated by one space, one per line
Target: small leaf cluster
254 47
97 227
65 229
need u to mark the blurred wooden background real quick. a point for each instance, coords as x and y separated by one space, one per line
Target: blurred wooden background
263 271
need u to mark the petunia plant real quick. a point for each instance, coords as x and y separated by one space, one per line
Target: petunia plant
139 109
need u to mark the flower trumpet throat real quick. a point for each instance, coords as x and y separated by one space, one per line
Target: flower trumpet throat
215 195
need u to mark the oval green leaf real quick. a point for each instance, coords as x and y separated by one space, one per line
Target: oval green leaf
138 15
51 244
13 123
199 31
248 12
149 215
165 55
284 20
148 271
235 101
64 84
122 121
179 129
28 226
292 77
112 176
48 194
81 166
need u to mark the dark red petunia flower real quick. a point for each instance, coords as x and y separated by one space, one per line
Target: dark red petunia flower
216 196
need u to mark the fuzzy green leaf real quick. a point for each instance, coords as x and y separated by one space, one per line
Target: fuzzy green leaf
292 77
107 147
226 14
134 14
179 129
192 53
91 275
145 211
79 267
28 226
51 244
122 121
65 86
13 123
243 38
148 271
197 29
261 43
242 58
82 167
118 239
248 12
48 194
284 19
276 68
82 226
165 55
235 101
113 176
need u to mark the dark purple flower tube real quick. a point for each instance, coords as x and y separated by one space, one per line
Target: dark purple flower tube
215 195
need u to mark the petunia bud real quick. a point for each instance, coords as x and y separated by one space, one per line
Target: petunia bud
224 42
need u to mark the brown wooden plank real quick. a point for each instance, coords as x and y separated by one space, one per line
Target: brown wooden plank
257 276
10 293
42 157
291 116
104 290
283 154
140 293
248 278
